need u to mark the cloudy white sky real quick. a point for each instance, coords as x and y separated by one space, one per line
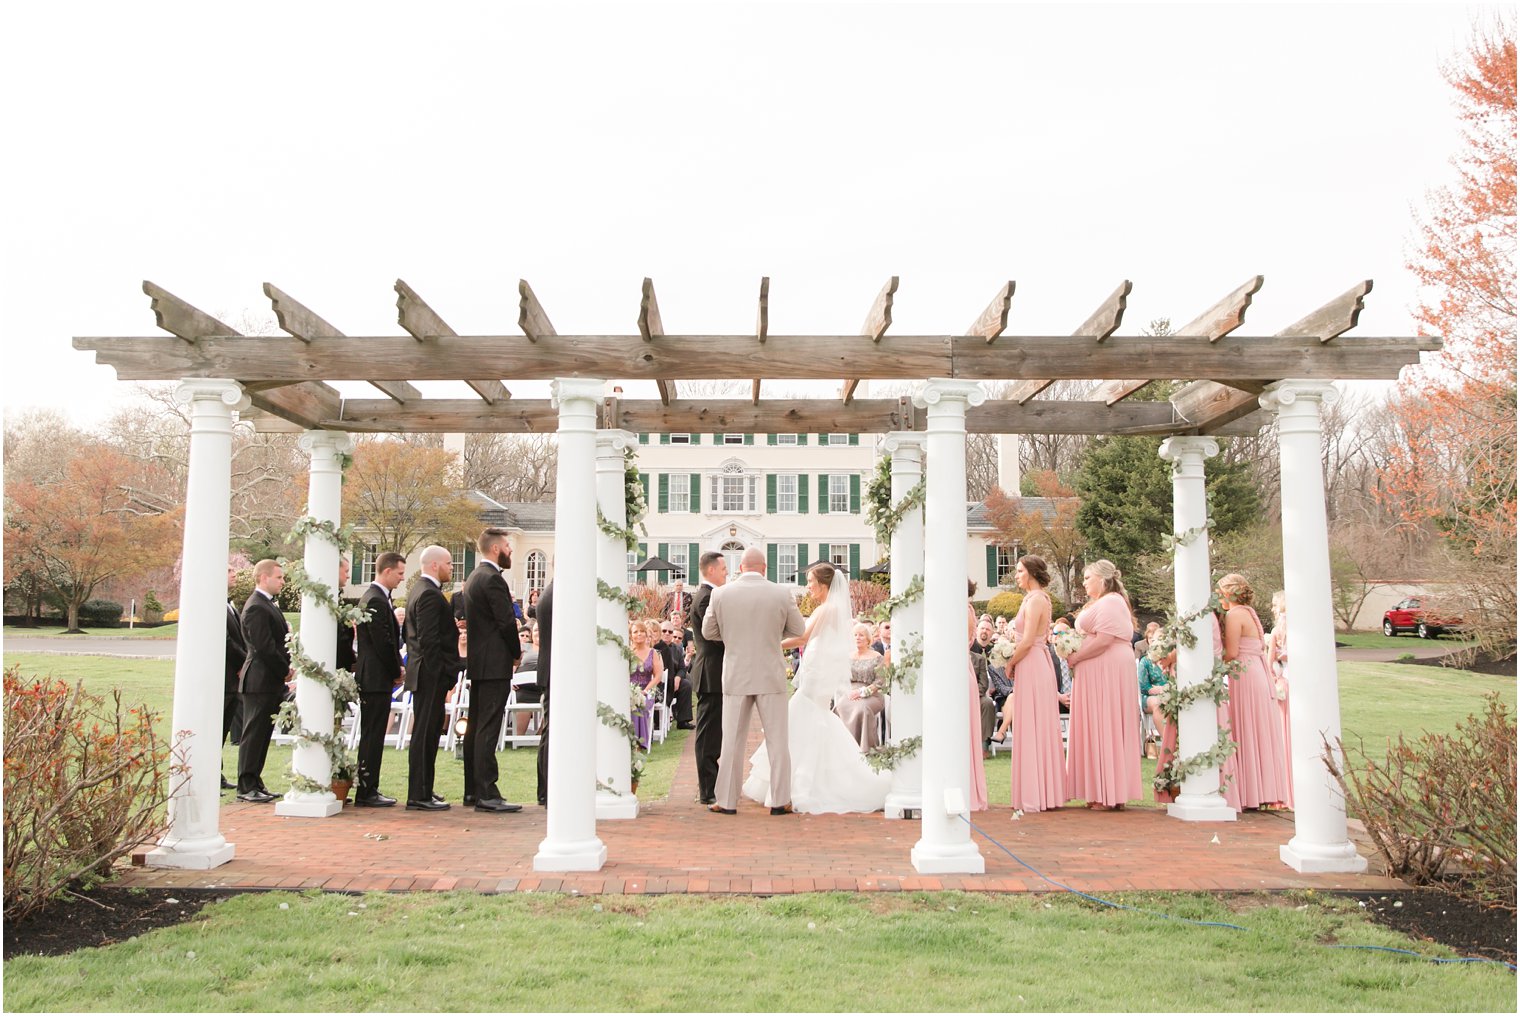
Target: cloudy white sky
333 148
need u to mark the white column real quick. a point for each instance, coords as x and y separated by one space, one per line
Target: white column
193 839
571 843
614 792
1319 840
907 450
945 844
1200 799
319 629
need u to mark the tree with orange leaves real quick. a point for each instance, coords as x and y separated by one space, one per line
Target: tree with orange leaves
1048 527
400 495
1453 462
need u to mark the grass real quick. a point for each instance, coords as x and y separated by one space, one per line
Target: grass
1377 640
820 952
163 631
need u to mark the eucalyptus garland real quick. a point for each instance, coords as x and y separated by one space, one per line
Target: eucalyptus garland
886 757
633 489
612 594
902 673
886 520
908 597
621 723
1179 769
1214 689
625 535
339 537
608 637
1172 541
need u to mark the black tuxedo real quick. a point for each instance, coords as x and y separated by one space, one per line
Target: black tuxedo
432 667
707 676
494 649
674 655
261 685
545 610
376 670
237 652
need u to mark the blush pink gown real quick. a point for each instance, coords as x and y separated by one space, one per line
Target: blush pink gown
1039 763
1257 724
1282 705
1227 772
1103 765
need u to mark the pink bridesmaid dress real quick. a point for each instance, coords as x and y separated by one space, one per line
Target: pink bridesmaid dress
1227 772
1282 705
1257 724
1039 763
978 771
1103 765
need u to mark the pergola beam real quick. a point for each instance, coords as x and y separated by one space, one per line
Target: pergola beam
1216 322
306 325
878 320
762 328
994 320
531 317
1100 325
652 327
424 324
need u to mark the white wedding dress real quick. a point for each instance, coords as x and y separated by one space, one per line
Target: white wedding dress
829 774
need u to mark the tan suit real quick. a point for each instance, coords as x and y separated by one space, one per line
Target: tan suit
752 616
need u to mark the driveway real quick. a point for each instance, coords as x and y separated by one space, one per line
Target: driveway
95 645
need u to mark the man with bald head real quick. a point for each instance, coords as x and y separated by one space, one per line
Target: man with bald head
751 616
432 666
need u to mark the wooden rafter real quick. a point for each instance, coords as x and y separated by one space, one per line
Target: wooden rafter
530 313
1216 322
651 328
762 327
1209 405
424 325
306 325
994 320
1103 323
878 320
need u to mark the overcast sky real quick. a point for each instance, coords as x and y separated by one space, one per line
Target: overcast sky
332 148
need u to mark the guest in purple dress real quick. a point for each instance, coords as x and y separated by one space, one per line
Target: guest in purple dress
1039 764
1103 766
647 675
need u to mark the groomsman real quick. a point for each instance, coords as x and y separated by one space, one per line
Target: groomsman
376 672
707 676
346 658
433 664
237 652
545 615
262 681
494 651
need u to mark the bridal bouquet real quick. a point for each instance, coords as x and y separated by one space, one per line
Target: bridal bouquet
1067 642
1001 651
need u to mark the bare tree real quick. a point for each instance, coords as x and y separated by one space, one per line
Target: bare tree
511 467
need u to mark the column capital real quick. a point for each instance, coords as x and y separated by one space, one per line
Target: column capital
1177 449
613 442
319 442
906 444
946 391
195 389
568 389
1281 394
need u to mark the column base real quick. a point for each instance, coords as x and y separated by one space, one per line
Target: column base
948 859
616 806
898 804
581 855
1201 808
304 805
1316 858
200 856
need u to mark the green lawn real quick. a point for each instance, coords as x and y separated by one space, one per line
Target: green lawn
163 631
819 952
1377 640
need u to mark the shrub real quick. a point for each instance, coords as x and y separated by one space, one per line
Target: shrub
1444 805
84 784
864 596
1005 604
101 613
651 595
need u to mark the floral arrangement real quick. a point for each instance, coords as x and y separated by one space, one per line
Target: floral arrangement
1067 642
1001 651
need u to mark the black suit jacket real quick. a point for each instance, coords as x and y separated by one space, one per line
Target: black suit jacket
379 654
707 661
432 639
490 625
237 651
545 635
268 662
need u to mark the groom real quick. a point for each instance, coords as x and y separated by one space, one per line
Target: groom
751 616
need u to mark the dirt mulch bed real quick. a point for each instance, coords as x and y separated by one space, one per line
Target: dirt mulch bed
1486 663
1435 915
102 916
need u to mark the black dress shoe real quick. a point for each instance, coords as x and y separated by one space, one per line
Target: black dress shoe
686 726
705 800
375 800
496 804
228 786
257 797
427 806
437 799
718 809
469 799
782 809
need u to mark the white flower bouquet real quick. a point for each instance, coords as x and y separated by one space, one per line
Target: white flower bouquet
1001 651
1067 642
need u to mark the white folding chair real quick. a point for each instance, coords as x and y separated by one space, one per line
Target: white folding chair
535 710
401 710
659 715
351 726
456 710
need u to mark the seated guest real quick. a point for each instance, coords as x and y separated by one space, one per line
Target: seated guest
527 693
882 645
678 687
862 707
982 667
646 676
983 640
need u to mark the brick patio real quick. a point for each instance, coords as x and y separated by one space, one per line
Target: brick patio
677 846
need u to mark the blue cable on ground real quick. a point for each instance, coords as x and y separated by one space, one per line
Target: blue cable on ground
1213 924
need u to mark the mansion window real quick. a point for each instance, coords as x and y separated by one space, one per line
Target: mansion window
680 493
677 554
734 491
633 562
786 439
839 492
838 439
839 555
365 573
680 439
733 439
786 493
1007 557
786 563
538 570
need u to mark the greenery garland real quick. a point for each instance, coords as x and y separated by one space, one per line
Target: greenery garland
1179 769
634 505
902 673
625 535
621 723
885 757
884 610
608 637
886 520
612 594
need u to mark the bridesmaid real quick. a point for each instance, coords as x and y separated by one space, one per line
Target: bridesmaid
1103 766
1277 656
1039 764
1261 765
974 697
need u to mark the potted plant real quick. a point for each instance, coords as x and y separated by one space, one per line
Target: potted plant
344 770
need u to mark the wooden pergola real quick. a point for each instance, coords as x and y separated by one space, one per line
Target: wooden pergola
283 383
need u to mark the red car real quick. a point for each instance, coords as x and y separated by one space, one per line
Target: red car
1409 615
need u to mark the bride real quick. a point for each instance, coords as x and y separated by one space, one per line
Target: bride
829 774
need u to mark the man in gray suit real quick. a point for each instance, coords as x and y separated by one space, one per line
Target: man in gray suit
751 616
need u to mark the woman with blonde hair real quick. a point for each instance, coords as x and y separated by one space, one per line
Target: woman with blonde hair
1261 762
1277 656
1103 759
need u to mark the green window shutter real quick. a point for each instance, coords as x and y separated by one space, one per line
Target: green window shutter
693 551
696 494
718 439
664 503
801 551
643 439
770 439
802 496
802 440
992 575
644 479
854 560
696 439
770 561
643 553
823 493
854 439
854 493
662 550
823 552
664 439
770 493
469 559
749 439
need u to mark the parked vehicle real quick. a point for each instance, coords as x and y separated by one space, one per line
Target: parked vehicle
1410 616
